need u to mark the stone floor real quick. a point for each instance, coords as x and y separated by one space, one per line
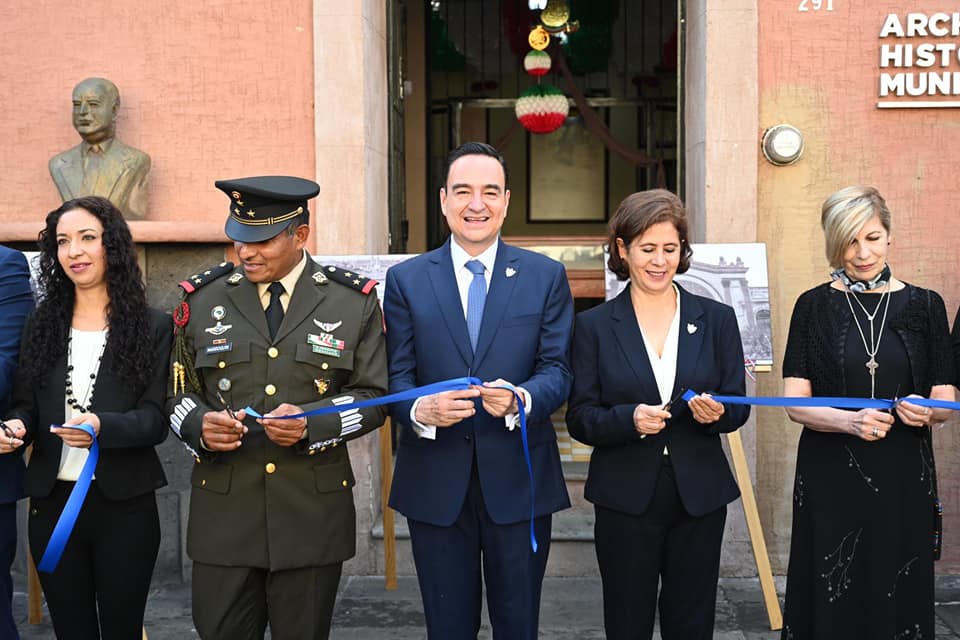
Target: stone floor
571 610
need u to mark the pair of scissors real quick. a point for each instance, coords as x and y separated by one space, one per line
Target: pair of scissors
667 406
675 398
226 406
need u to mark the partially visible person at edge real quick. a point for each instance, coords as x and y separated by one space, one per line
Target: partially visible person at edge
271 512
658 477
16 302
93 353
478 306
865 494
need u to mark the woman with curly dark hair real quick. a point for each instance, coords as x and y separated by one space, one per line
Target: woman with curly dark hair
93 353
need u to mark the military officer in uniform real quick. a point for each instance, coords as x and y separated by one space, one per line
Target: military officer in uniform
271 507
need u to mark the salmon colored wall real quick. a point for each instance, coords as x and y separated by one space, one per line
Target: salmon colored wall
819 71
213 89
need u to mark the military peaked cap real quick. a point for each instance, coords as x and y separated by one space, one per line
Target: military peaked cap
263 206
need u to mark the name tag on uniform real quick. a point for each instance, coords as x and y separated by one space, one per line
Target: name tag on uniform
327 351
219 348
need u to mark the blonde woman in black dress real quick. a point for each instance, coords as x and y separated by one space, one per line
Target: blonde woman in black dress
865 492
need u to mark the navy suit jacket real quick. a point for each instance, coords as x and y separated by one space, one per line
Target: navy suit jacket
612 375
524 339
16 302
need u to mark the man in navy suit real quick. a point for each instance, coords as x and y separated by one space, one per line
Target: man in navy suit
16 301
477 306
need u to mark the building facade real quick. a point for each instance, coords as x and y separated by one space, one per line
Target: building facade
366 95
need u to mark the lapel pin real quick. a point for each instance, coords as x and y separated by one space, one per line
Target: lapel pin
691 328
510 271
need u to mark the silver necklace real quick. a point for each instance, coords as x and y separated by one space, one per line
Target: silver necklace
874 345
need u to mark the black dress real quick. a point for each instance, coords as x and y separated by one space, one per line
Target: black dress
862 549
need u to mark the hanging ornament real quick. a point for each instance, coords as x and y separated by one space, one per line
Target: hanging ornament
537 63
539 39
542 108
555 14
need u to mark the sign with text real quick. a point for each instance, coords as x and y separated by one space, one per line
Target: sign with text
920 61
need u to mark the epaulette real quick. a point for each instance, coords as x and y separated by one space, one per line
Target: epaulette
184 376
198 280
356 281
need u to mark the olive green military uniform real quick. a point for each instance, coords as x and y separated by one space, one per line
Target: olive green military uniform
262 505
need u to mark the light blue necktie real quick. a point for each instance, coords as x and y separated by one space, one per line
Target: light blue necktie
476 296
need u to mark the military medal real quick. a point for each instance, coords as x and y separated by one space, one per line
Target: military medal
321 385
218 312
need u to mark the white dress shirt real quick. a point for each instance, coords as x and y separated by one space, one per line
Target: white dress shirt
665 365
460 258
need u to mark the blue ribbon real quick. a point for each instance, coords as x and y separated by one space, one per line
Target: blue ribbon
454 384
68 518
828 401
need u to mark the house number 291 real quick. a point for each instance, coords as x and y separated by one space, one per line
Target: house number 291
815 5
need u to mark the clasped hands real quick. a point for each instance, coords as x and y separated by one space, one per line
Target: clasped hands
651 419
874 424
224 430
450 407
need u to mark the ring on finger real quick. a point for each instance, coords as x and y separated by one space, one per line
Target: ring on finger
876 432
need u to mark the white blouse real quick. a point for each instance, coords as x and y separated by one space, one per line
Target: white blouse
86 349
665 365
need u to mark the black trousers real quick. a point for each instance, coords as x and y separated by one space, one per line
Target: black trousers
453 562
666 545
99 588
236 603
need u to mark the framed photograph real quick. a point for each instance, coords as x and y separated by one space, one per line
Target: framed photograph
736 275
567 176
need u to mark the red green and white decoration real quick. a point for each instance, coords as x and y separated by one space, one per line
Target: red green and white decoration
537 63
542 108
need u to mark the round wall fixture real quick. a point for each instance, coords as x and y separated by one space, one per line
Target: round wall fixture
782 144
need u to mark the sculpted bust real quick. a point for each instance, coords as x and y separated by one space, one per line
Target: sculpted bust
101 165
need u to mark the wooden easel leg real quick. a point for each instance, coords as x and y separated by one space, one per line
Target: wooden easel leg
755 529
389 530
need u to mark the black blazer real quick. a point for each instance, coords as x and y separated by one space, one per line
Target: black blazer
612 375
131 424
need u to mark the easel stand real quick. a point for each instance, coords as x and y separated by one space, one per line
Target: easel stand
742 471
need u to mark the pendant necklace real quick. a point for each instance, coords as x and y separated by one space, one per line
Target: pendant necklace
873 346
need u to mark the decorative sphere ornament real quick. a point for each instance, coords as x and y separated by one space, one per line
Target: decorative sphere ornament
539 39
556 13
537 63
542 108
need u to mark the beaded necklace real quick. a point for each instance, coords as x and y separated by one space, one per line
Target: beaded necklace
81 405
